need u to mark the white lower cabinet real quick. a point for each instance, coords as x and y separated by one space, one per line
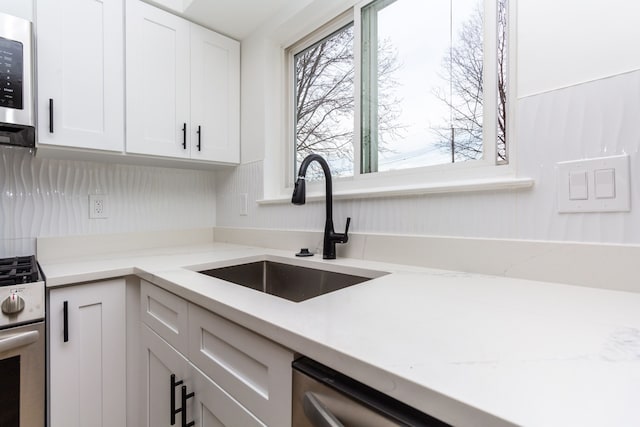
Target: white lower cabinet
179 394
161 361
87 359
256 371
237 377
166 314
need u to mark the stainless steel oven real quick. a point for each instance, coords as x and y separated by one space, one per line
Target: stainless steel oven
22 343
22 372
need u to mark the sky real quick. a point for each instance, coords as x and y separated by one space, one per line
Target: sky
421 30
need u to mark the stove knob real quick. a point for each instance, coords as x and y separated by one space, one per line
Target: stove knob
13 304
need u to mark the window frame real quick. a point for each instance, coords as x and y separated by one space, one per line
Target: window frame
482 174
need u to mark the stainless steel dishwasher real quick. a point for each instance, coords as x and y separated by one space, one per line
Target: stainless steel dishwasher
323 397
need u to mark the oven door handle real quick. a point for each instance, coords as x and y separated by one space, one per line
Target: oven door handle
317 413
18 340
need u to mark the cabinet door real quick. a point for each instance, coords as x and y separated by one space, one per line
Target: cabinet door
157 82
87 372
81 72
215 96
160 362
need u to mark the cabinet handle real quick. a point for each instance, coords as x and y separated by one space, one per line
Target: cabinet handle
50 115
199 139
174 411
185 397
317 413
65 321
184 136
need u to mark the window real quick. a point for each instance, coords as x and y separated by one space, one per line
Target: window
402 85
324 102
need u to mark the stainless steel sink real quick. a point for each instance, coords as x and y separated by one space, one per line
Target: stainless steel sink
290 282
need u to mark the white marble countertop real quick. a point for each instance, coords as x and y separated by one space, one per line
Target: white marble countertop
468 349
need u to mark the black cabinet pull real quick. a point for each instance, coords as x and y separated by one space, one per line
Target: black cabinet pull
185 397
199 139
50 115
65 321
174 411
184 136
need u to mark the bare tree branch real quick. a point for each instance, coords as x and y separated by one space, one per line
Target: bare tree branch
463 66
325 99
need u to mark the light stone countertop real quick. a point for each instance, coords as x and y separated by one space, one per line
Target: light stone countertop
468 349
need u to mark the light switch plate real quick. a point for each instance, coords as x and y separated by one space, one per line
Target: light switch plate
610 192
244 204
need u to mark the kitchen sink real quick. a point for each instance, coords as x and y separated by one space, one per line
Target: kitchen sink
291 282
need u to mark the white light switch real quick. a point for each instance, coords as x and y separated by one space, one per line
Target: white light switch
605 183
244 205
594 185
578 188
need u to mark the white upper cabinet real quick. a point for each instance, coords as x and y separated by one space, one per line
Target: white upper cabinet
182 88
80 73
157 82
215 96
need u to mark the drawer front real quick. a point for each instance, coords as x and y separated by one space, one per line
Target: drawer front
214 407
253 370
166 314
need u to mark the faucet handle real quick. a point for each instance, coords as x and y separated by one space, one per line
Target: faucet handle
345 236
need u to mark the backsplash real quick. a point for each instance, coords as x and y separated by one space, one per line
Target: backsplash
47 197
588 120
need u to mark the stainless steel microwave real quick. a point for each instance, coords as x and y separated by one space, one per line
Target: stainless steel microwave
17 113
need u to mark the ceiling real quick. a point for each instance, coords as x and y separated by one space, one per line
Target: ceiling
234 18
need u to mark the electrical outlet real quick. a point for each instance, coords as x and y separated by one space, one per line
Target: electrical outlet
98 206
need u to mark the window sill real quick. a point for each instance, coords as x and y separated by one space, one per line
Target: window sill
461 186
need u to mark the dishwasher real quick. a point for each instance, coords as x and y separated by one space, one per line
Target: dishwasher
323 397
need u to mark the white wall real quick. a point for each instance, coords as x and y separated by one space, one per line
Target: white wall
565 42
561 45
46 197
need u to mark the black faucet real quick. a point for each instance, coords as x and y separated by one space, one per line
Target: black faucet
299 198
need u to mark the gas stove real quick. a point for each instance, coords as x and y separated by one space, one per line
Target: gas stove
21 291
17 270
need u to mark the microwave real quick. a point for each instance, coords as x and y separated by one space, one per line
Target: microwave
17 113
